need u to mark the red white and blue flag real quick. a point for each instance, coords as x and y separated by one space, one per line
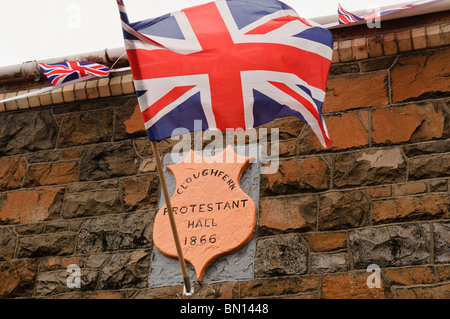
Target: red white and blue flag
64 72
233 64
346 17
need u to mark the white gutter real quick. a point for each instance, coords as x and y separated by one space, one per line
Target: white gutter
30 68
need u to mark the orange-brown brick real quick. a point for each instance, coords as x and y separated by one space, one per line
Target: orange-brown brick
12 170
31 206
350 286
52 173
287 213
414 122
320 242
423 74
410 208
296 175
356 91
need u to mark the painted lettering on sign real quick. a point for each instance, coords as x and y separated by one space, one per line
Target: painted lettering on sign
214 216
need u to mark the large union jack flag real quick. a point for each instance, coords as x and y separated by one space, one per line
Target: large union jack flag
234 64
64 72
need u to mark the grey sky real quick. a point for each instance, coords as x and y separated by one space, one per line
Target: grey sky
36 30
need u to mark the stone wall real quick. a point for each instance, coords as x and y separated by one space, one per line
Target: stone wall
78 185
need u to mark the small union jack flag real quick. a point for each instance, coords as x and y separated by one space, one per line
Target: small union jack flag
346 17
64 72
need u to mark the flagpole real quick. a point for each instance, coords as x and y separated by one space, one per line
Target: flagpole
186 279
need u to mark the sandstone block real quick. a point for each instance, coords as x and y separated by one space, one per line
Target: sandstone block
12 171
341 210
107 161
441 242
396 245
372 167
280 256
278 215
17 278
297 175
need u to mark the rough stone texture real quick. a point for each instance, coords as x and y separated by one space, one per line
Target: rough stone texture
356 91
46 245
52 174
328 263
429 167
280 215
86 128
281 255
140 193
107 161
350 286
421 75
31 206
296 176
129 122
372 167
91 203
125 270
27 132
55 282
12 171
398 245
320 242
341 210
17 278
425 292
7 243
441 242
115 232
419 122
411 208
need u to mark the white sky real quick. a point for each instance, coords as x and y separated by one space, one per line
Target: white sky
43 29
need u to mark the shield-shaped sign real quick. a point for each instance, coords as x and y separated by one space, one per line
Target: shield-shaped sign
214 216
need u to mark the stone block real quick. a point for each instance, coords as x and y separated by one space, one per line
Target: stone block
140 193
421 76
321 242
51 173
125 270
95 126
329 263
345 50
411 208
350 286
441 231
12 171
419 38
356 91
279 215
297 175
18 278
342 210
29 206
418 123
390 46
7 243
27 132
115 232
390 246
281 255
372 167
108 160
360 49
432 166
35 246
91 203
